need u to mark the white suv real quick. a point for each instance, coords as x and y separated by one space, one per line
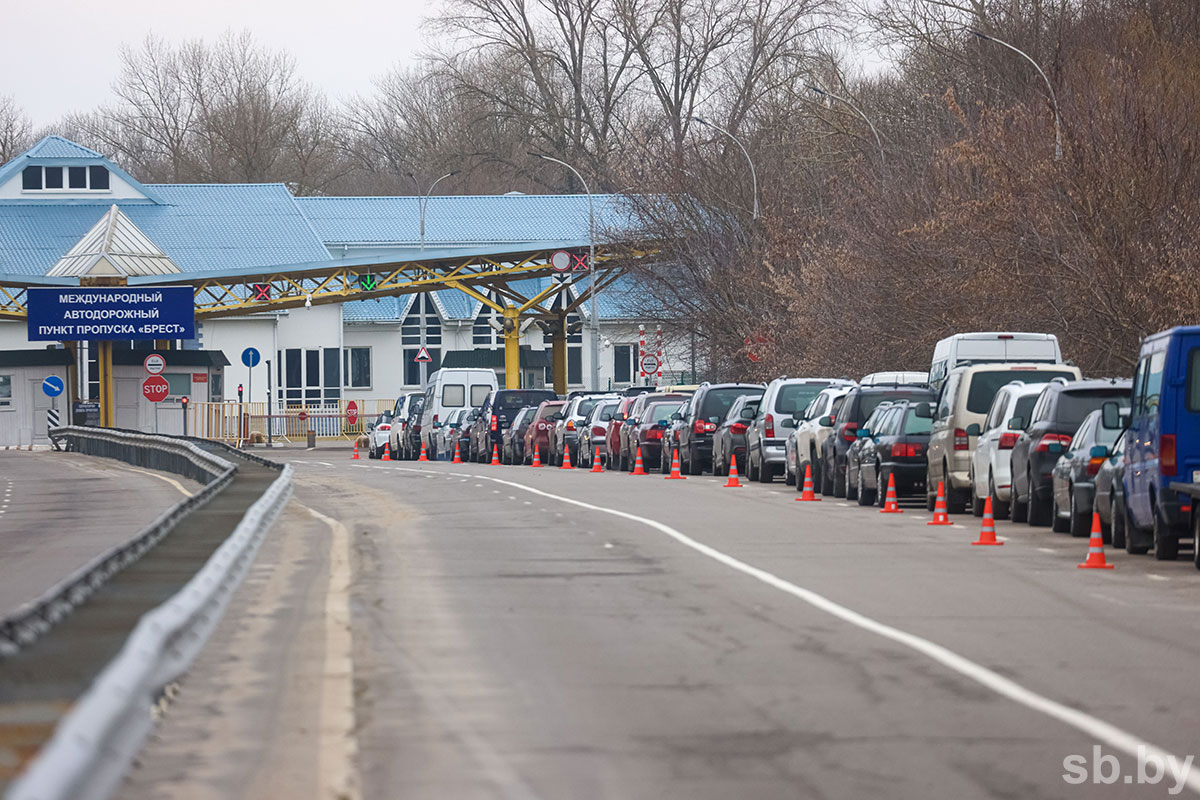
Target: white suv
805 444
992 459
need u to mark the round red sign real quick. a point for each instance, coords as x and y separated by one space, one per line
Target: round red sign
303 415
155 388
351 413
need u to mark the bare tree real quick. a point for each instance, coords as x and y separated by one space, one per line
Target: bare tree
16 132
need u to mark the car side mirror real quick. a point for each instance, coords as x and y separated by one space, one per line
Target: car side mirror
746 413
676 417
661 422
826 422
1110 415
605 417
924 410
864 433
437 424
787 422
1098 451
370 426
973 429
1016 424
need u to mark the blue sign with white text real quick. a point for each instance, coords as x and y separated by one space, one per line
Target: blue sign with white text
94 313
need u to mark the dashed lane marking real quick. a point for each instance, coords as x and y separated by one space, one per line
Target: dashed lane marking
1100 730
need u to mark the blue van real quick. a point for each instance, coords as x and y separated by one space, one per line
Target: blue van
1163 441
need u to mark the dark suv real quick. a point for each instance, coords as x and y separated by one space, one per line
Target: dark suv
1056 415
499 409
708 407
410 437
858 405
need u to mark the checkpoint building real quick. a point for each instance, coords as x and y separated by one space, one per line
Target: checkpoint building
69 214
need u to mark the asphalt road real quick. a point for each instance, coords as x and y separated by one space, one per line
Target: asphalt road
464 631
58 511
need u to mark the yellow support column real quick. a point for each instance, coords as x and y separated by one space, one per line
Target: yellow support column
558 353
512 347
108 408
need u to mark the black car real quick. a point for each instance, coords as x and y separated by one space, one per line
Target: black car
865 441
512 443
497 411
1058 413
464 433
410 437
1110 496
896 450
730 436
1075 472
709 406
856 407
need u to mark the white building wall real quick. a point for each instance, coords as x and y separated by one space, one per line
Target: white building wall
13 336
232 335
23 420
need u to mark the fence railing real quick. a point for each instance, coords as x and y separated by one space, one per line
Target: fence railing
238 422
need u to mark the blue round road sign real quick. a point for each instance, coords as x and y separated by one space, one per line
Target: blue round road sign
250 357
53 386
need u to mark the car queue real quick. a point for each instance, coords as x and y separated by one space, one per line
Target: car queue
999 417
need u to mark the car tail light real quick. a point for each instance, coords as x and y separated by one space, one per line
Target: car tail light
597 430
769 427
570 424
383 427
738 427
1043 445
1008 440
850 431
700 426
906 450
494 421
1094 465
961 440
654 435
1166 455
417 428
435 417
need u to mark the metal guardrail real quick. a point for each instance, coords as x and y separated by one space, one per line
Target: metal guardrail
32 620
94 744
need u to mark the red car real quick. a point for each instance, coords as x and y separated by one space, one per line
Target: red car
612 439
538 433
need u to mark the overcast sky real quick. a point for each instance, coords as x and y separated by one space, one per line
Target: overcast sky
63 57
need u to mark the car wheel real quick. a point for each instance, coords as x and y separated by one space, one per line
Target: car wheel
1080 524
1133 545
766 473
1057 523
860 491
1018 511
839 487
1166 546
956 499
1196 537
695 465
751 469
881 479
999 507
930 491
977 502
826 480
851 490
789 476
1038 512
1117 525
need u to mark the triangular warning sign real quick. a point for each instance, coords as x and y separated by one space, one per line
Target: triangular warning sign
423 355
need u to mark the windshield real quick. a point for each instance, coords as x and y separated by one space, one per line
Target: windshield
795 397
716 402
510 399
985 385
1073 406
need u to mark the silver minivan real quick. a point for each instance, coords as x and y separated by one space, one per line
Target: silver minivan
783 402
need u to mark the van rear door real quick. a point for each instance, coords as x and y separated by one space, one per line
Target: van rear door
1181 406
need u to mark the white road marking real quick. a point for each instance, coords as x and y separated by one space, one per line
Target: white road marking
512 497
1154 577
323 463
843 504
1098 729
171 481
1047 550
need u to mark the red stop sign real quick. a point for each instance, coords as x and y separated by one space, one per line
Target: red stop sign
155 388
351 413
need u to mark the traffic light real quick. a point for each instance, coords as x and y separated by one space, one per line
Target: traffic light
184 401
239 393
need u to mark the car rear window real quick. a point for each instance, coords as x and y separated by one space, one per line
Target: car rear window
1193 380
916 425
453 395
585 406
1024 407
479 393
1073 406
660 411
869 401
985 385
795 397
716 402
510 399
550 409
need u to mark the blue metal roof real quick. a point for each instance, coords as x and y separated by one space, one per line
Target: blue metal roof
58 147
463 220
201 227
55 150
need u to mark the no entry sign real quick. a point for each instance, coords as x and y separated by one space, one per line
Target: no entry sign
649 363
155 364
155 388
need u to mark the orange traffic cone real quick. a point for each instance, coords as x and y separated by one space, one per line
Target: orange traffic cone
890 504
422 457
732 483
566 457
457 456
807 494
940 517
987 534
537 459
355 456
675 475
495 455
596 459
1095 558
638 469
387 454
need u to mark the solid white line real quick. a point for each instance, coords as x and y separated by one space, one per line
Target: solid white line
1095 727
1046 550
1154 577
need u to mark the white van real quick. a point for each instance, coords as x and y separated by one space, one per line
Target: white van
988 348
452 390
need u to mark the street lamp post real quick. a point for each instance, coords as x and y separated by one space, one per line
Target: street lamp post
595 344
423 199
857 110
750 161
1053 97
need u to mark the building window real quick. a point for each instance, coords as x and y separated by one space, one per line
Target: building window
333 374
180 384
77 179
5 391
356 368
624 358
412 367
574 365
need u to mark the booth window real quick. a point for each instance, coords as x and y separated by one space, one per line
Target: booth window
5 391
179 383
356 368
